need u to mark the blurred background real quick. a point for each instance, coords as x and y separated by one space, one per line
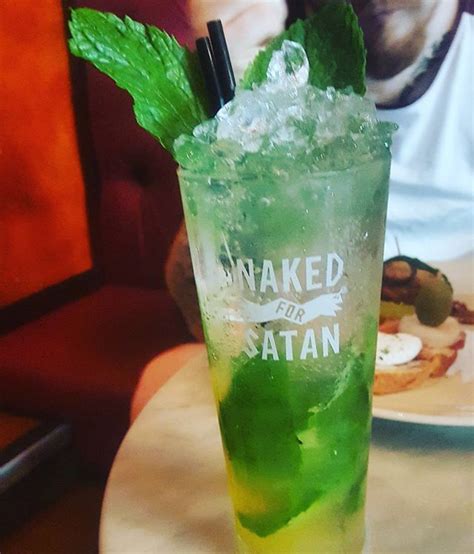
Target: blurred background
89 206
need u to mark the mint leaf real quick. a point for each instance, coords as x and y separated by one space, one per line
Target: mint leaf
162 77
334 44
294 437
257 421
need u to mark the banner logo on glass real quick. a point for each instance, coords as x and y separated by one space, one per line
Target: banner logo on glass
296 277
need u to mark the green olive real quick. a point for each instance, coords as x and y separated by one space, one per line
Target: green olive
434 301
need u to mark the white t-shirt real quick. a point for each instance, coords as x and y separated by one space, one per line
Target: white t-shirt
431 202
430 210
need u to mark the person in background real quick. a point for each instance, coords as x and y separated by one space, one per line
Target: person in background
420 74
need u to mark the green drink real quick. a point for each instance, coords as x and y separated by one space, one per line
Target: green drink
285 194
285 198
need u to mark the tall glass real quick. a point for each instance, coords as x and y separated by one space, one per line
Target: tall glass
288 272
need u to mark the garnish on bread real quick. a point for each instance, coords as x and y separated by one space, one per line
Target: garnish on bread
437 352
417 300
396 365
411 285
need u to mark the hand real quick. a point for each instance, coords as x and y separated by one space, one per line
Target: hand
248 25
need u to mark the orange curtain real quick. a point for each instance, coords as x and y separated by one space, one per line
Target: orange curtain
43 225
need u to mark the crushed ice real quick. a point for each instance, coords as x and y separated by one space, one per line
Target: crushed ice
267 111
288 68
287 118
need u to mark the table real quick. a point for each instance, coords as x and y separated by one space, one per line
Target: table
167 492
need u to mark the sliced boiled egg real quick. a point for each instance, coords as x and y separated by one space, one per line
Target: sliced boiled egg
396 349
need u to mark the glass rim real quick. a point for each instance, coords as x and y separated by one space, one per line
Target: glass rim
234 175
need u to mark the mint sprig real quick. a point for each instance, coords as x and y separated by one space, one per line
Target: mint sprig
162 77
334 44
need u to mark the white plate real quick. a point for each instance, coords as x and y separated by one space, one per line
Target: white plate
444 401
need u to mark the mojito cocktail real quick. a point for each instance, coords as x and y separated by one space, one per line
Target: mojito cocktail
285 194
285 197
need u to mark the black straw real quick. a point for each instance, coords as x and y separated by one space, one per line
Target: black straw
216 98
225 73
